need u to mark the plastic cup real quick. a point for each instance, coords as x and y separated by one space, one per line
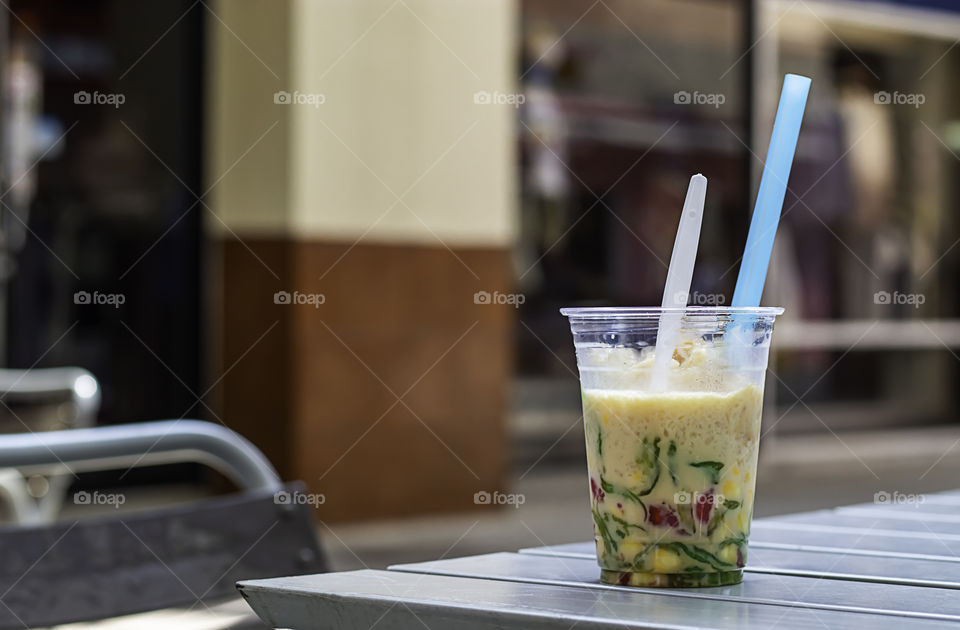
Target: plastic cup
673 471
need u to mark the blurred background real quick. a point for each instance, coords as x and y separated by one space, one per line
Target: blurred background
344 228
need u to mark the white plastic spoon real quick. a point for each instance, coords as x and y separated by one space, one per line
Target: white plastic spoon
679 275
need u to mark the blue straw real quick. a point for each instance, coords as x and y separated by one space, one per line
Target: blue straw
773 189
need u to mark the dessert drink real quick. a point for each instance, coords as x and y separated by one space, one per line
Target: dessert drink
672 472
671 479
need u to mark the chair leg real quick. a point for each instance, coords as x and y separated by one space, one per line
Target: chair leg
13 490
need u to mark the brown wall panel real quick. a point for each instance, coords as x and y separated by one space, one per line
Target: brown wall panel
253 395
392 313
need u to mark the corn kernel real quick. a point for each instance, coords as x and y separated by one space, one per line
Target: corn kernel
665 561
736 471
631 549
731 490
742 520
729 554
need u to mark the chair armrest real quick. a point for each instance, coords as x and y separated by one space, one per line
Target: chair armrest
52 384
103 448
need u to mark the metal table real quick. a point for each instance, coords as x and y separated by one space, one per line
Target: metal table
862 566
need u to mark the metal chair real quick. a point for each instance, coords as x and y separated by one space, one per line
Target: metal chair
134 561
72 386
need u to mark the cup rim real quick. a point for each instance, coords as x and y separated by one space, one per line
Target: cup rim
623 312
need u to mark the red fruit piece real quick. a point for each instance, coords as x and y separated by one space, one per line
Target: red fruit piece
596 490
703 506
663 515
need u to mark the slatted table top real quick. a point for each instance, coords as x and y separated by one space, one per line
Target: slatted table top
862 566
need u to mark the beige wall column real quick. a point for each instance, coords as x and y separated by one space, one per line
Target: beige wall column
349 160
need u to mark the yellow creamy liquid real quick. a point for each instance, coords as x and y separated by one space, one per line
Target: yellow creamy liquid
672 479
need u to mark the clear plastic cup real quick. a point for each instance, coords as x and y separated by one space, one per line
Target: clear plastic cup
672 471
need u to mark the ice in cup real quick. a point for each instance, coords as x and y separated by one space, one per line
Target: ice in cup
672 471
